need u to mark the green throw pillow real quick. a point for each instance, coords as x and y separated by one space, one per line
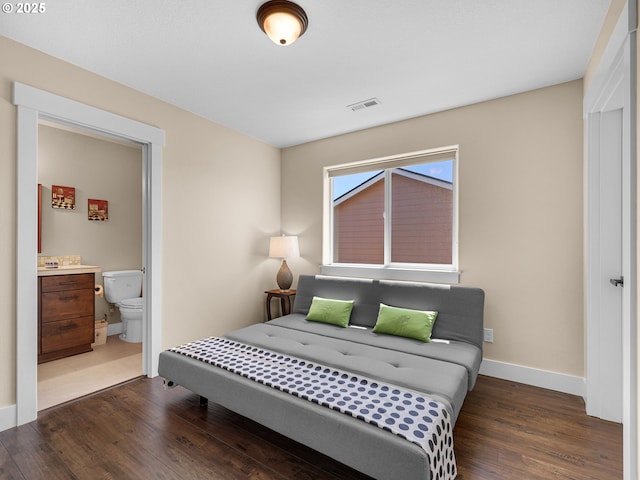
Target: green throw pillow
326 310
405 322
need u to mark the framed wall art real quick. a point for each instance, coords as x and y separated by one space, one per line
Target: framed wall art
63 197
98 209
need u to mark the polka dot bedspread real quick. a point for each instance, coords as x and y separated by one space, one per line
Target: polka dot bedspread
403 412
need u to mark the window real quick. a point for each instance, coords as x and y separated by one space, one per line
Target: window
397 213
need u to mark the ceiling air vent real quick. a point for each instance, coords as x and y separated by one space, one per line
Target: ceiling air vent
371 102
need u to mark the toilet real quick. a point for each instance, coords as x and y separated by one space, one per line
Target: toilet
123 289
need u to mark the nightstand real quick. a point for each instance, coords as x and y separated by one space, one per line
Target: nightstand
285 300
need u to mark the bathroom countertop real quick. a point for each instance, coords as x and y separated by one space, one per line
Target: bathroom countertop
68 270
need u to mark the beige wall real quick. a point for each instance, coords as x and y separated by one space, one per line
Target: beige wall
221 193
98 169
520 178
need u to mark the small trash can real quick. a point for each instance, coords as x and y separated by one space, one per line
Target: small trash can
101 332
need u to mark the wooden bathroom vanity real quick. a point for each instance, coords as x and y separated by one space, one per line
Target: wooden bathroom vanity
66 311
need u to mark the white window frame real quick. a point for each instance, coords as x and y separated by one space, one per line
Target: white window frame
390 270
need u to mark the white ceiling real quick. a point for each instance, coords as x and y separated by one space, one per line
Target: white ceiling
416 56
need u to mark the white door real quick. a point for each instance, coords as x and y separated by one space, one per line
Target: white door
611 282
611 241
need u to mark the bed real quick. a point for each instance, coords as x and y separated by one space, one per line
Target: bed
439 372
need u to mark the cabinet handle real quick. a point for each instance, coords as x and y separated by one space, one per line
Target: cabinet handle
65 299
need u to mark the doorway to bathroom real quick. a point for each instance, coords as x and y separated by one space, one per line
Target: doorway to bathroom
101 226
33 105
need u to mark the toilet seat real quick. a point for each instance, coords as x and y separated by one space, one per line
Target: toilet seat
132 303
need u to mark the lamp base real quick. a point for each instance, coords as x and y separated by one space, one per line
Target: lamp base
284 278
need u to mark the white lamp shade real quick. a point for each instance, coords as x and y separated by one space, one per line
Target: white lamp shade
284 247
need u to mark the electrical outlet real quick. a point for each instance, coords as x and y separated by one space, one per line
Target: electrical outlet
488 335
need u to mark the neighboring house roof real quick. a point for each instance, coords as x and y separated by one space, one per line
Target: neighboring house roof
399 171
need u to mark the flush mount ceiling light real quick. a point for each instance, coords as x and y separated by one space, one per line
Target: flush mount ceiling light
283 22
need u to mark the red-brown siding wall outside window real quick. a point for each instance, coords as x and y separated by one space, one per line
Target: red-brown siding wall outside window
358 227
421 225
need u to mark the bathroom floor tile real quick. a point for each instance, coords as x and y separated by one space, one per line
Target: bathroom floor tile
72 377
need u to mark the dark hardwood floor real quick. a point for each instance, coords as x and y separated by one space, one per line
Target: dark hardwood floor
141 431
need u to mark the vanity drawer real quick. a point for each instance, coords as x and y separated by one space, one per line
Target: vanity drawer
67 304
67 333
55 283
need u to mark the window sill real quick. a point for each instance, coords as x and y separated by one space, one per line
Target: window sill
392 273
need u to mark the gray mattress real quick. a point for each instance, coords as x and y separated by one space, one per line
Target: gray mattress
452 367
364 447
445 370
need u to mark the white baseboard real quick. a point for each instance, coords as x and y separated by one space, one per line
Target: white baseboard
559 382
7 417
114 329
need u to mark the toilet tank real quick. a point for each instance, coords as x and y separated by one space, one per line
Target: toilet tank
121 285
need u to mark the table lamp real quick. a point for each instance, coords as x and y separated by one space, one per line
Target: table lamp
284 247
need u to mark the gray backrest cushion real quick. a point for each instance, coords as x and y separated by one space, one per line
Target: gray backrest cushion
460 309
362 291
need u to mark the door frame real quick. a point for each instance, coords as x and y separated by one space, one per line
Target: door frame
32 105
613 85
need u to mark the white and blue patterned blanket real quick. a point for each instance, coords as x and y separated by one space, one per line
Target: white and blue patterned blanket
403 412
